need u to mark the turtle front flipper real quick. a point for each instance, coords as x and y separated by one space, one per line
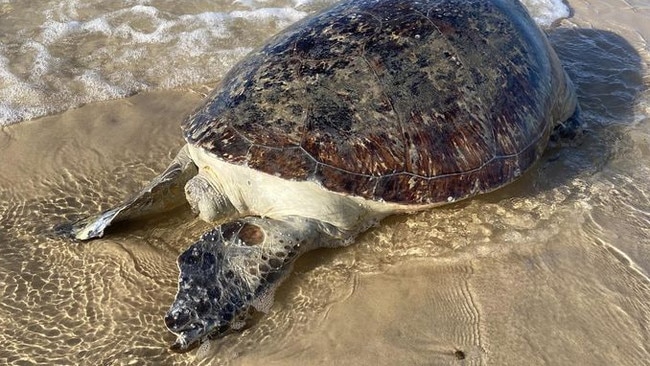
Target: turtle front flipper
233 270
164 193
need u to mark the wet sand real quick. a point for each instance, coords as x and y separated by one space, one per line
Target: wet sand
550 270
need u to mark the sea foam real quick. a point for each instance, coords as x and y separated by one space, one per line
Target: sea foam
70 53
547 12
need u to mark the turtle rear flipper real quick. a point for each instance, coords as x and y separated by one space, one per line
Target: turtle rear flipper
569 129
163 193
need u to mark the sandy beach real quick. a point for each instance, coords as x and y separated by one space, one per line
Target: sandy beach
553 269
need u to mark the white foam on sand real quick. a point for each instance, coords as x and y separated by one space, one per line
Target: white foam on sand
547 12
65 54
70 53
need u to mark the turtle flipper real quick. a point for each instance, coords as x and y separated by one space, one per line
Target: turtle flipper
569 129
163 193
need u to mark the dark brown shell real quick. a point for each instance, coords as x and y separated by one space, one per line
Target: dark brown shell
399 100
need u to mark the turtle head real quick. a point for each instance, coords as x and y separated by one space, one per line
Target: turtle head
226 275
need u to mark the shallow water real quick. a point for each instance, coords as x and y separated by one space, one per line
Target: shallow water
551 269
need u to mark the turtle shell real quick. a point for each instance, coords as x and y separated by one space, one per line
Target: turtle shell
414 102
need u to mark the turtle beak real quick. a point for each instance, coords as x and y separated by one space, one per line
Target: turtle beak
191 335
187 338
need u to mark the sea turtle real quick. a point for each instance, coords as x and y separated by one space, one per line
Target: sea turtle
366 109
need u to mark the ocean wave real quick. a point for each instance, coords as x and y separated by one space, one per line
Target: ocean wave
69 59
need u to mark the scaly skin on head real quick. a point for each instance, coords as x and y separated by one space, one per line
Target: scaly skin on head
232 270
